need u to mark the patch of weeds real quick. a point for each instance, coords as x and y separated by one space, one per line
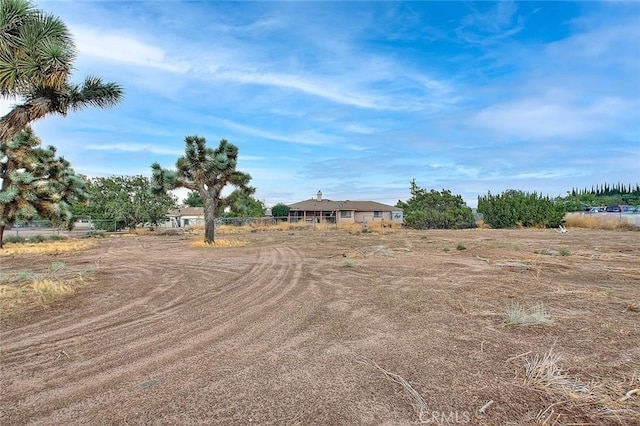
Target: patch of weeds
519 315
347 263
544 252
38 239
564 252
57 266
446 249
49 291
461 246
515 315
57 238
13 239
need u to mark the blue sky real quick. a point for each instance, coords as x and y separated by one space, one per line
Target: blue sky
357 99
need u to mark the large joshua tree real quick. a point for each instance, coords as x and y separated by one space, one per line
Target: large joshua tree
206 171
36 61
35 182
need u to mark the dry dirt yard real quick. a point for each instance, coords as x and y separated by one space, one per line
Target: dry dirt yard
333 327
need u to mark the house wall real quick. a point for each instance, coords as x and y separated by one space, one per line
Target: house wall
361 217
190 220
341 219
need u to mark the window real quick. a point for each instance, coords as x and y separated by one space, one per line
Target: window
345 214
377 215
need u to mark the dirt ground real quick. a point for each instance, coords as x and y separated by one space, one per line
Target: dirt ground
333 328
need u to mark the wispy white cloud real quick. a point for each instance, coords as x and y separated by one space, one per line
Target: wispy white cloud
125 49
133 147
309 137
498 23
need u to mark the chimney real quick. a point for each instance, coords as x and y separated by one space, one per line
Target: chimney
319 194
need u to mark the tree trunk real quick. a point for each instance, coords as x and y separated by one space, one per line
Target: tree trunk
209 216
21 115
1 235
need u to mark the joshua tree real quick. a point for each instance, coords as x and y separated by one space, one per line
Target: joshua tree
34 182
36 60
206 171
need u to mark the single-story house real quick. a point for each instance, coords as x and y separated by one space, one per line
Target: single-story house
321 210
184 217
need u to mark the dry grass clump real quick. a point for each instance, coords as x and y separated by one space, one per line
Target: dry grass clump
415 398
49 291
599 222
572 402
46 247
24 290
218 243
519 315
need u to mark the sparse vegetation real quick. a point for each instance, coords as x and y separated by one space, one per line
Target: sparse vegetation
218 243
26 289
54 246
347 263
461 246
564 252
519 315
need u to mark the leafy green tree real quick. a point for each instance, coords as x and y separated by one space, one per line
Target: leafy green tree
518 208
280 210
207 171
240 204
36 60
433 209
35 182
193 199
128 200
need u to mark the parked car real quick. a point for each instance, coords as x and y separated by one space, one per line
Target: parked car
596 210
620 208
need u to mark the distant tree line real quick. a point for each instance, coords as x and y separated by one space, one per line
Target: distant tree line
512 208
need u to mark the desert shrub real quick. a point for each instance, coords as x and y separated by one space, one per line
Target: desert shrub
37 239
14 239
564 252
435 210
347 263
461 246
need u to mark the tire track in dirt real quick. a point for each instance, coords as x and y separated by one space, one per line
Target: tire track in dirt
142 341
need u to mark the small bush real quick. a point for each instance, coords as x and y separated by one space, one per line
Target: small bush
446 249
347 263
37 239
564 252
460 246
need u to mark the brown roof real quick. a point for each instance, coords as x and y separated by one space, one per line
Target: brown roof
313 204
186 211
